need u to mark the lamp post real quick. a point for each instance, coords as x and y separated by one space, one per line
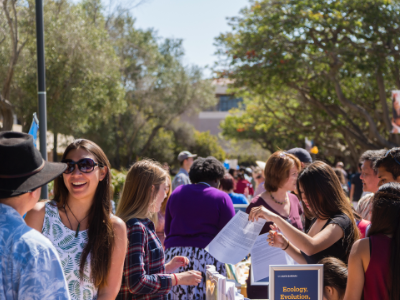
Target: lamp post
41 85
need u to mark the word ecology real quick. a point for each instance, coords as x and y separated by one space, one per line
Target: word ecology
294 290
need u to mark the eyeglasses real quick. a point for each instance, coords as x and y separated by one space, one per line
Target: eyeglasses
85 165
391 154
282 154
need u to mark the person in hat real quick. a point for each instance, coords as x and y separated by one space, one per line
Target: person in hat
90 240
186 161
303 155
30 267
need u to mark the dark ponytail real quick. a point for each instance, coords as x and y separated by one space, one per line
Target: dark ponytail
385 220
335 274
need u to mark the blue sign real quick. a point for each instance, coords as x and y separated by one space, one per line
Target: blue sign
296 282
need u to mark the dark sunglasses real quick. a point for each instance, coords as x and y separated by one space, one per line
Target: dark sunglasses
85 165
391 154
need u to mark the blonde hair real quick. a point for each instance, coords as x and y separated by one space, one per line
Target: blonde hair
138 193
154 218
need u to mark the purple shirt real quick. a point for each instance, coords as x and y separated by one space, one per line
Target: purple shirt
195 214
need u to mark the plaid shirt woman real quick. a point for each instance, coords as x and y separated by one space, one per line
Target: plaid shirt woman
144 270
145 274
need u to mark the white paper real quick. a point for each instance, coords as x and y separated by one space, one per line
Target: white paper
263 255
236 239
230 290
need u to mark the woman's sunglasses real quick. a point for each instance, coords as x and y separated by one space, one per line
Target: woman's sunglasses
85 165
391 154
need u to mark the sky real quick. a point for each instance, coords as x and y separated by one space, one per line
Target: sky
197 22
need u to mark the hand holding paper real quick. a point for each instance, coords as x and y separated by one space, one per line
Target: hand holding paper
276 239
236 239
260 212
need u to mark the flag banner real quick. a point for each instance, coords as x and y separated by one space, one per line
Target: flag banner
34 129
396 111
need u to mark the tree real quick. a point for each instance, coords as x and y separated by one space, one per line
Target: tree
14 15
281 121
83 87
339 57
158 89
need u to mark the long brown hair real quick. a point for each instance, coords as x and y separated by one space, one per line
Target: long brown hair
138 193
100 231
326 197
385 220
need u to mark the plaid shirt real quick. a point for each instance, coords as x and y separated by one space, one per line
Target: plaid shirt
144 269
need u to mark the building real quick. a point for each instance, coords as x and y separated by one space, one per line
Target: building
210 119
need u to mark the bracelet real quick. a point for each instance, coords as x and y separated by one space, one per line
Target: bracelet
288 243
176 279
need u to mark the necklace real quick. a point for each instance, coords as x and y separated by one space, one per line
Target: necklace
276 201
204 183
79 222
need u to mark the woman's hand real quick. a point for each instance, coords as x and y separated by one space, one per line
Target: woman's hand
276 239
175 263
189 278
261 212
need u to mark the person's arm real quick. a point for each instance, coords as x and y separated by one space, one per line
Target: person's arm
175 263
178 181
277 240
352 191
35 217
117 261
227 212
309 245
358 263
168 218
137 280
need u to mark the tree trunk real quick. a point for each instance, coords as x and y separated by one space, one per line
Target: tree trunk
150 139
382 98
6 112
117 141
55 143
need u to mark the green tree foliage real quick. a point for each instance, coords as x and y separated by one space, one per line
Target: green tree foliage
207 145
107 81
158 89
82 79
15 19
279 122
339 58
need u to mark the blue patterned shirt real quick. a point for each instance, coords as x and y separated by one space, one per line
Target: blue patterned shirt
29 264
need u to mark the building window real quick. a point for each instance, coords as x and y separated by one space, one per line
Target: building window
227 102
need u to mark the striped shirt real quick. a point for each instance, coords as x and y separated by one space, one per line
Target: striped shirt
144 269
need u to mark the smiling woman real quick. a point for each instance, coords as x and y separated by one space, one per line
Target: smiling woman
90 241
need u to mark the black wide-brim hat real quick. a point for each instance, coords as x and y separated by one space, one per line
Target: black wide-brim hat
22 168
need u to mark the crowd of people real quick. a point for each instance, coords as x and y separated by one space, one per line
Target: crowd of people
153 247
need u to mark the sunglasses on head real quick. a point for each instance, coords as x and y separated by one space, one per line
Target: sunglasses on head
391 154
282 154
85 165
